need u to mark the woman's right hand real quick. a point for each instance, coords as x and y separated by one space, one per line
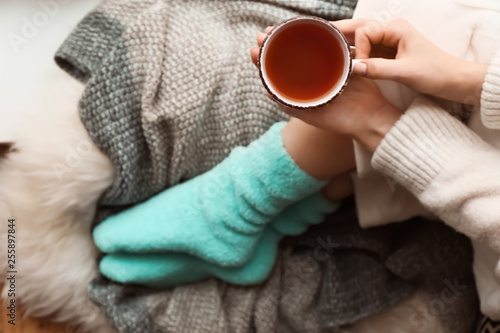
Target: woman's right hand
418 63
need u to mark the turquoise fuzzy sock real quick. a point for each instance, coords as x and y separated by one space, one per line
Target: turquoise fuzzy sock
218 216
165 270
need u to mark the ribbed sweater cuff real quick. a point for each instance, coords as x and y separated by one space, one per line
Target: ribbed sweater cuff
421 144
490 97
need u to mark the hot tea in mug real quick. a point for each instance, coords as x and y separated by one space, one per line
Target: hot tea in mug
305 62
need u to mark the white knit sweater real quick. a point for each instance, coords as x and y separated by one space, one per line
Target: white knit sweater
453 170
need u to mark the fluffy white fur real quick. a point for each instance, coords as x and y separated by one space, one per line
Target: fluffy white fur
51 186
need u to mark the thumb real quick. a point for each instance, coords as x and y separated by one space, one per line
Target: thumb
380 69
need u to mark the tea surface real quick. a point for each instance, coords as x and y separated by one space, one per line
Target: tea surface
304 62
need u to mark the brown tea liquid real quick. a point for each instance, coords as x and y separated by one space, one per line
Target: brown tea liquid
304 62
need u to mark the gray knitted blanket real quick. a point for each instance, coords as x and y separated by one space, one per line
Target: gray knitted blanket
323 281
170 91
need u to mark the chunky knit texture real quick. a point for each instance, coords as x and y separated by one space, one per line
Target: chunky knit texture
428 129
490 108
170 88
329 277
455 174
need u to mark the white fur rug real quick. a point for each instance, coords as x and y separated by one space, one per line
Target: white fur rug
51 184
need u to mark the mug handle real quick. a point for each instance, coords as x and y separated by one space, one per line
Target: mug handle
352 49
355 62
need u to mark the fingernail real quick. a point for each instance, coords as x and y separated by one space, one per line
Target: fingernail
361 69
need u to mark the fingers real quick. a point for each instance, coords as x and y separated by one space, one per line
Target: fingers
364 38
254 51
380 69
374 33
349 27
357 33
260 38
365 33
254 54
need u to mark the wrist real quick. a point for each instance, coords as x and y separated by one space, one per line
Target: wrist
377 126
465 82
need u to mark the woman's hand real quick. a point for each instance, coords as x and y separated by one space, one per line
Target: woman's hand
415 62
360 111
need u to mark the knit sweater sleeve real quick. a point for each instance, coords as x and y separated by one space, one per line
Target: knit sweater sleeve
452 171
490 96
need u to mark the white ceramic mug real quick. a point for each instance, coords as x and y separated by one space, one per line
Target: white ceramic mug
349 62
